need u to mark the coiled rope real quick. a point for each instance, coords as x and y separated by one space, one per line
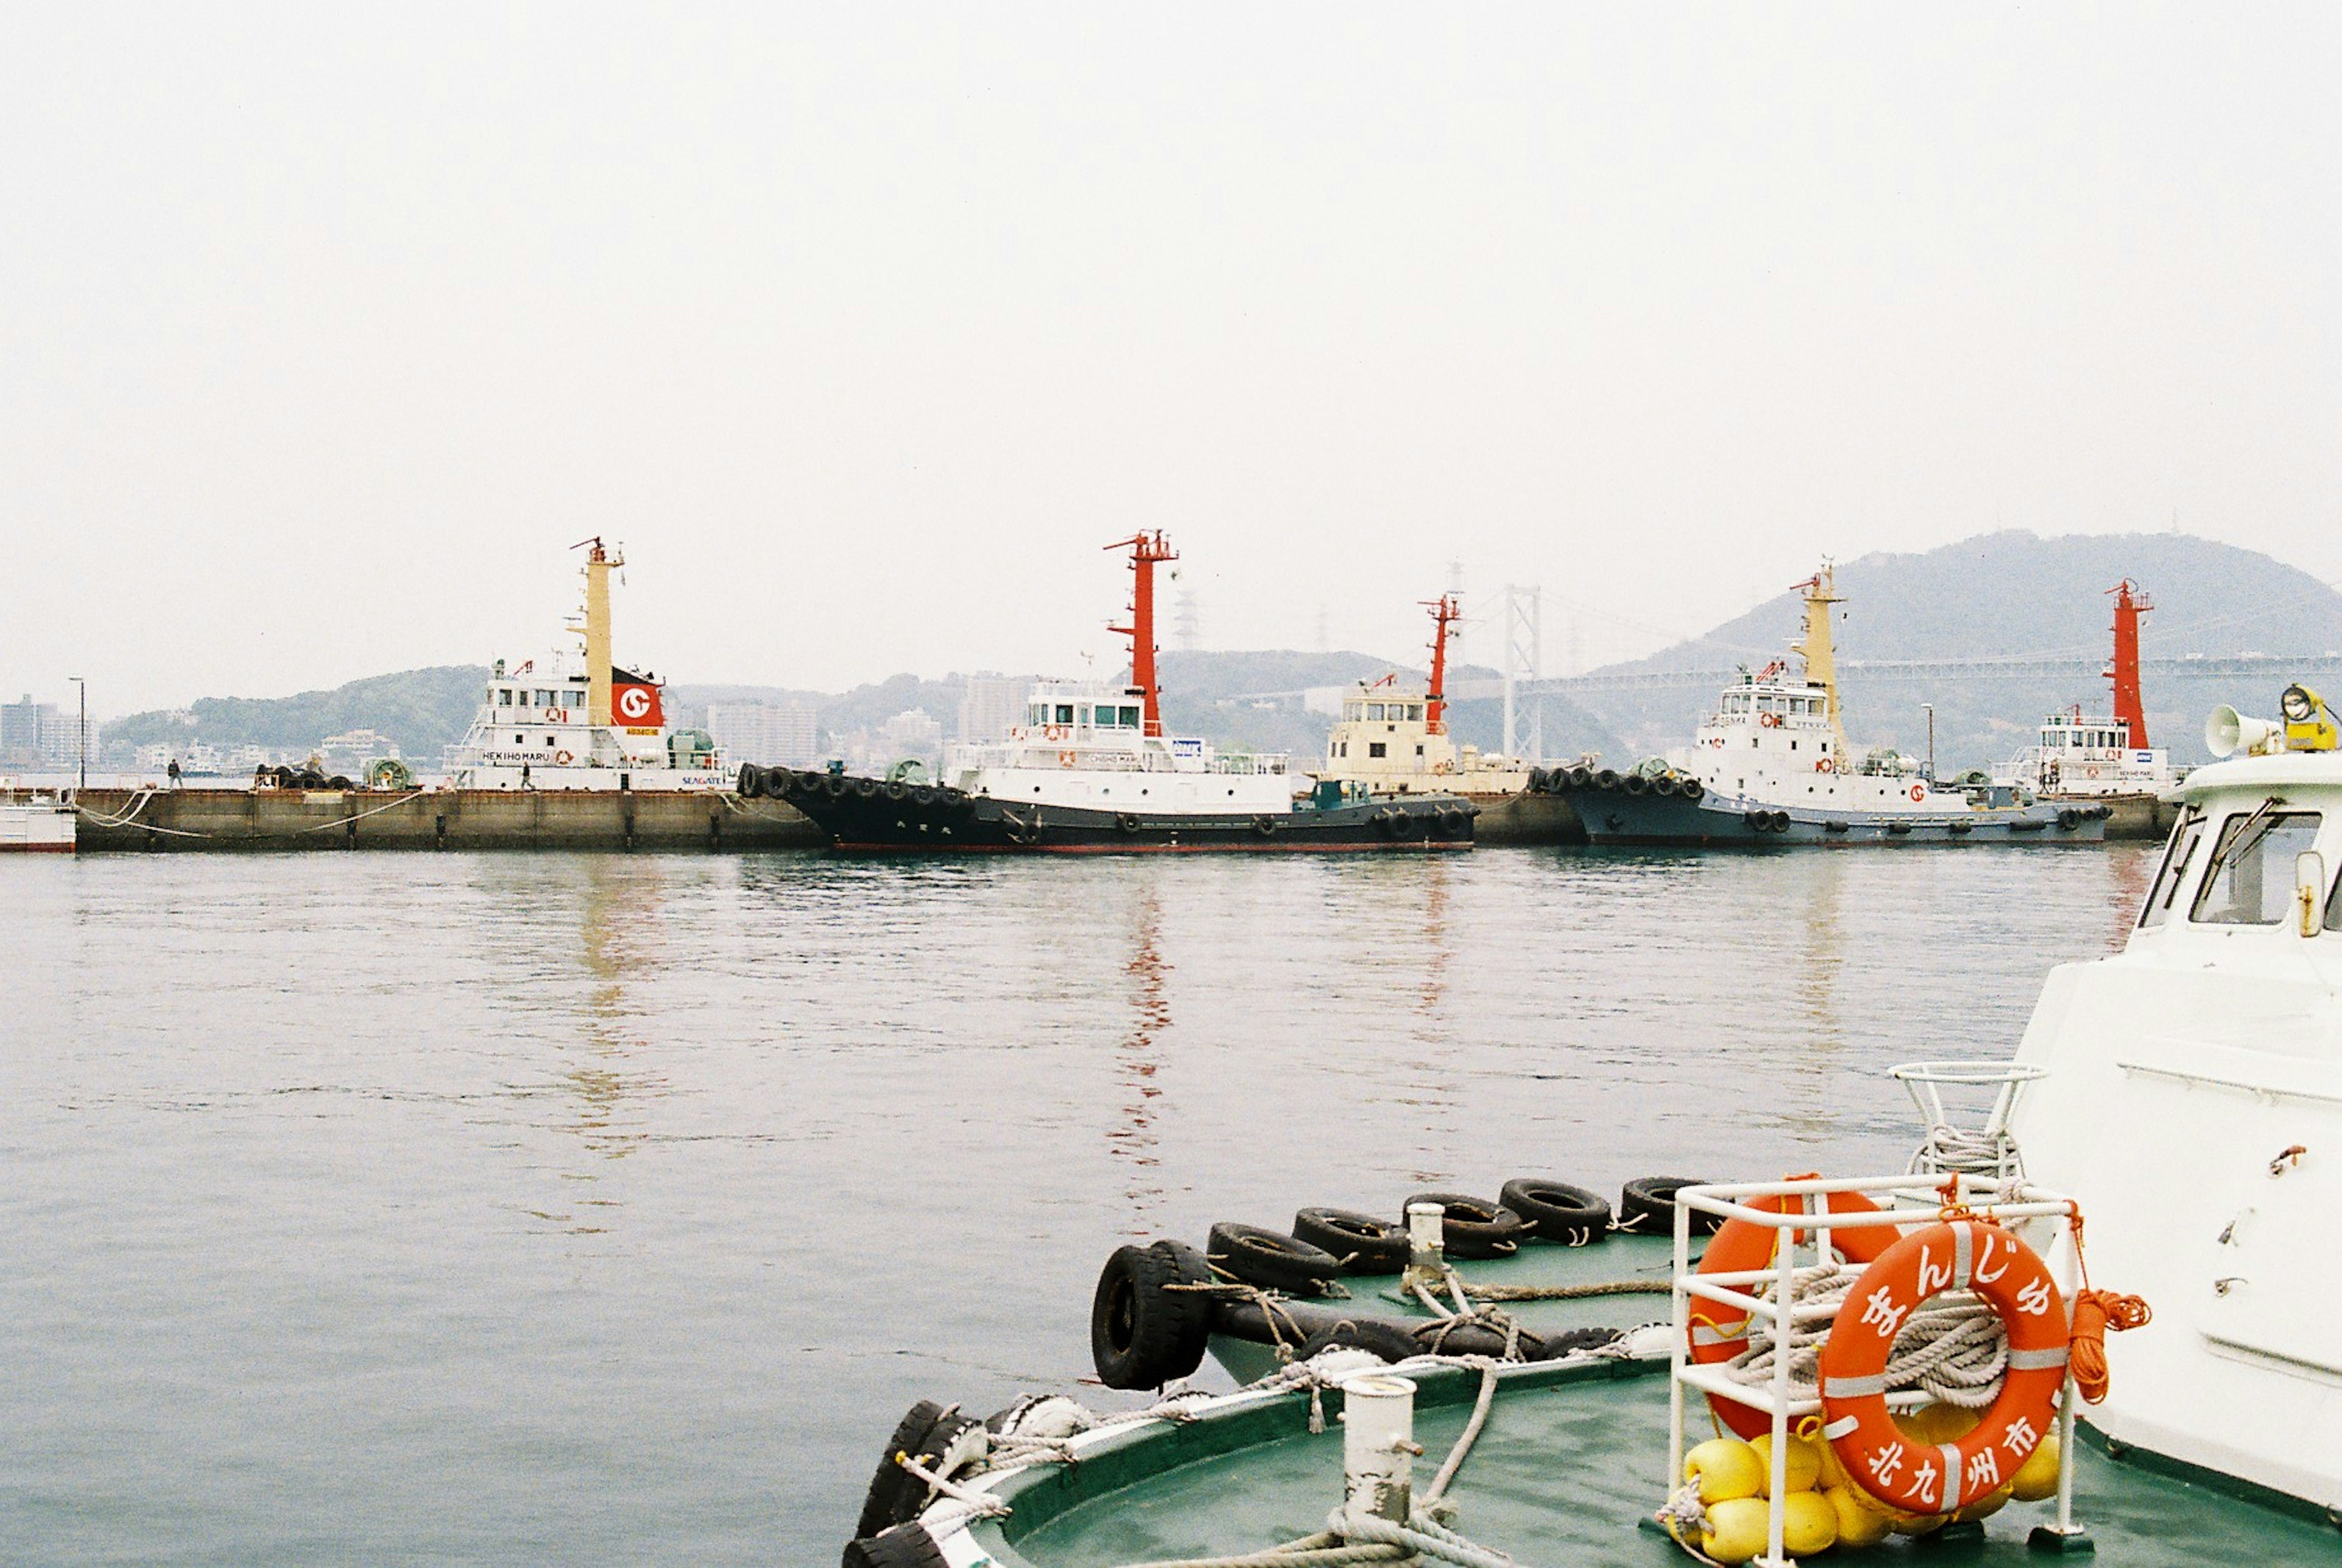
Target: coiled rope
1953 1346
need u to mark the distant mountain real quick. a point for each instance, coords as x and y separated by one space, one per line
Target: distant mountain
2007 593
422 710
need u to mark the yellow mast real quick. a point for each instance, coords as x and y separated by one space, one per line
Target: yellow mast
598 563
1820 658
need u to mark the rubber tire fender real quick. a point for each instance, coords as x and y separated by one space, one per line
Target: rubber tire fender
1126 822
1634 783
1142 1335
1475 1227
1605 779
895 789
923 796
1646 1206
1390 1341
1272 1259
890 1483
902 1546
1558 1211
2068 819
751 781
866 788
1664 785
1580 776
1362 1244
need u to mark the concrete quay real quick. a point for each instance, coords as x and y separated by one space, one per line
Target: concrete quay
246 819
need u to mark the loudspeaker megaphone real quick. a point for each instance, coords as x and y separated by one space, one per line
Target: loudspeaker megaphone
2227 732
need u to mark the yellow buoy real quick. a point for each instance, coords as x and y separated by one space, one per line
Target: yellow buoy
1860 1521
1808 1523
1726 1469
1937 1423
1736 1529
1920 1524
1983 1507
1802 1465
2036 1478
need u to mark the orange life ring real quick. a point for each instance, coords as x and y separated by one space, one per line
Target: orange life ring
1918 793
1883 1460
1054 731
1822 767
1770 721
1742 1245
562 759
1065 759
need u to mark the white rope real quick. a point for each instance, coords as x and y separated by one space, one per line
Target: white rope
1953 1346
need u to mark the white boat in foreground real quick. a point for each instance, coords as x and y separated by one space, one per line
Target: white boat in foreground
36 822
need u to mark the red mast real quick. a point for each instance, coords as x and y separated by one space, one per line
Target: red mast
1146 549
1444 611
2130 603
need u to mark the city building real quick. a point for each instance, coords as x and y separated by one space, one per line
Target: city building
351 752
991 706
769 734
41 735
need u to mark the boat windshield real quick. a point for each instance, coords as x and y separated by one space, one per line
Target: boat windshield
2178 860
2250 881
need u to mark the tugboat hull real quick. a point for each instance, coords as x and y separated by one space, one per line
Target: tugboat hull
1616 817
892 816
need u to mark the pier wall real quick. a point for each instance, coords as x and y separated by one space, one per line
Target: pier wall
243 819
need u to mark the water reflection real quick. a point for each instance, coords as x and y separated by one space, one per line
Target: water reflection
619 928
1133 1138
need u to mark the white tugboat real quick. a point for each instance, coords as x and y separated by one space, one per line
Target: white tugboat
35 822
1771 765
575 721
2105 758
1091 770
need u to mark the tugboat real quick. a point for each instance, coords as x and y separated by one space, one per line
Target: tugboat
2105 759
579 722
1090 771
1393 739
1771 765
1930 1353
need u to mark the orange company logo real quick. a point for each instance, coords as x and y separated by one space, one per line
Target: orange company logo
635 702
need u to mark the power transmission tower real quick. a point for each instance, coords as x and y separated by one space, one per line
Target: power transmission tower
1185 629
1524 637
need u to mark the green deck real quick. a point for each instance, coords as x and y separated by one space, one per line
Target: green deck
1567 1468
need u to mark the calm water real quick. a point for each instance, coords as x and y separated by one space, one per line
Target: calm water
584 1209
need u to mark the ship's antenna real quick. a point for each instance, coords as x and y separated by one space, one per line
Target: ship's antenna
1146 549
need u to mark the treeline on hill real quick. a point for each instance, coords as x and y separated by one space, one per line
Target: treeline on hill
2003 593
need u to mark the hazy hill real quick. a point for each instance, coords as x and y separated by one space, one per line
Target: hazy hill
2013 592
422 710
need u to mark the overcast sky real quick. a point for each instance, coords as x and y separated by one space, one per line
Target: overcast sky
325 331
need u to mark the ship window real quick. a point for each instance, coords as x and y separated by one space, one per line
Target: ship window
2250 880
517 741
1064 713
1375 710
1130 718
1419 751
1414 710
1792 746
1375 748
504 696
549 699
2334 907
524 697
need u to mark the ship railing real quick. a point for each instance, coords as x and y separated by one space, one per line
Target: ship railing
1768 1296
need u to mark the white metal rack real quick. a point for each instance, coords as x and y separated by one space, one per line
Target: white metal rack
1804 1227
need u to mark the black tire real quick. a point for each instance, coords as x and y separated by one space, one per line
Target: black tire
895 789
1664 785
1692 789
1580 776
1455 820
836 786
751 781
1634 783
1388 1340
923 797
1555 1211
1362 1244
1126 822
866 788
893 1483
1646 1206
1142 1334
1475 1227
2068 819
1605 779
1272 1259
1538 778
1755 821
1266 826
904 1546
